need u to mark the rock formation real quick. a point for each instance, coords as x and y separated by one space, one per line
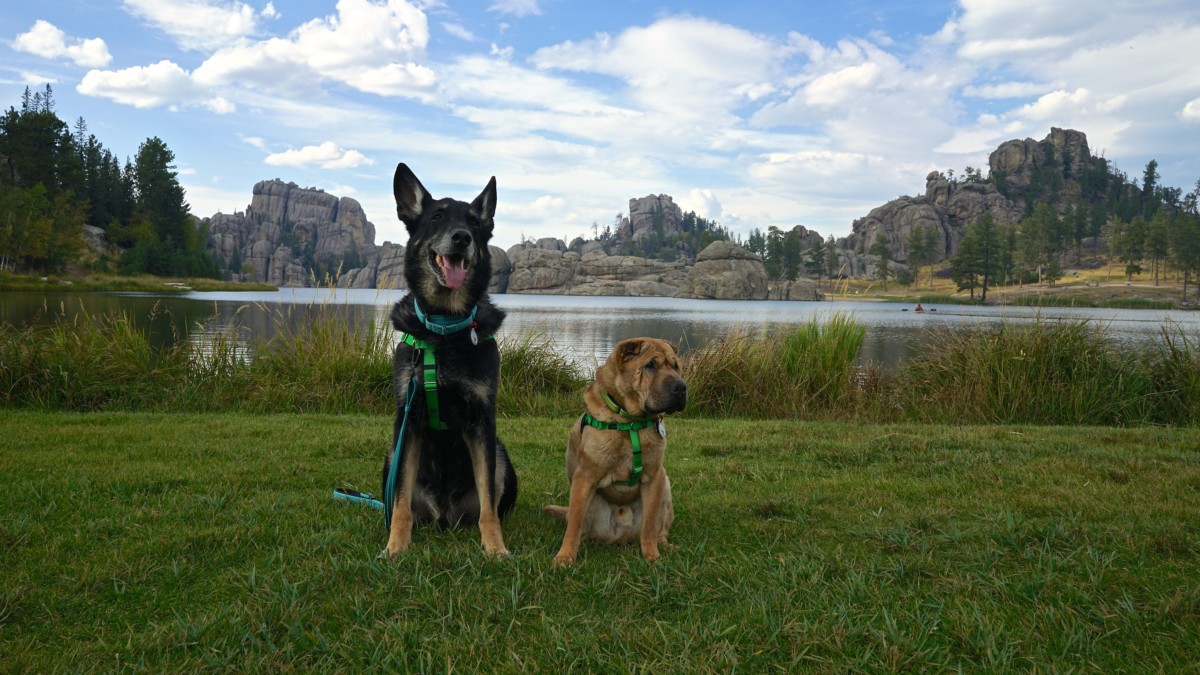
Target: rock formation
292 236
950 206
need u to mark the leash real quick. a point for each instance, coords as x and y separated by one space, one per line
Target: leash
633 427
427 352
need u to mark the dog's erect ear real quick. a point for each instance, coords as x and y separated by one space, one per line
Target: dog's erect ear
628 349
411 196
485 204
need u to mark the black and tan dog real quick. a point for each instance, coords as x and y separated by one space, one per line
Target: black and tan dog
452 469
619 486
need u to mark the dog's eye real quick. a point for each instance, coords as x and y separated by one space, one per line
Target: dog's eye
651 365
437 215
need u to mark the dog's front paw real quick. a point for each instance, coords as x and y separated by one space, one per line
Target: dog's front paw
496 551
650 553
564 559
395 546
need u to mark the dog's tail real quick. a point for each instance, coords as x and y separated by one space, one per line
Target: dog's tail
553 511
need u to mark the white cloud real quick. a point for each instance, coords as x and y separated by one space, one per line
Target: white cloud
255 141
691 68
841 85
44 39
1191 111
516 7
703 202
459 32
269 12
220 106
326 155
159 84
1007 90
371 47
198 24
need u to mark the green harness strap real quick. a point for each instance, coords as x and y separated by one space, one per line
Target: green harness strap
428 377
634 438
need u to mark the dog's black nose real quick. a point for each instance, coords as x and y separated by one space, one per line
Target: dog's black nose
461 238
679 388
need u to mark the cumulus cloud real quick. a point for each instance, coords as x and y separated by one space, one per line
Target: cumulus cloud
47 41
371 47
199 24
159 84
1191 111
703 202
689 67
326 155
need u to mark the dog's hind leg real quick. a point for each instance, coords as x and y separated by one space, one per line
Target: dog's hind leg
483 462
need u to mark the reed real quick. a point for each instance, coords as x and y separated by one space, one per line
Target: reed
780 373
1174 367
537 380
86 363
1137 303
1047 372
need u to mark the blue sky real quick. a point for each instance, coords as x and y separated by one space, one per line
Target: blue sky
750 113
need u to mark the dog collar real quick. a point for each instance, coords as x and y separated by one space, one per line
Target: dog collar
445 325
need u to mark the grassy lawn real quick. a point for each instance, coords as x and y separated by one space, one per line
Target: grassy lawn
173 542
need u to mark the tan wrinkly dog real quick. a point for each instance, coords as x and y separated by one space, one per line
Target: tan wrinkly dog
641 379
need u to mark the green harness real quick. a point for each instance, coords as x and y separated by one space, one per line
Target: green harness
633 427
428 379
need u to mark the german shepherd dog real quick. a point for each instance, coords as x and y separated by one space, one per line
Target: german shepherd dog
461 471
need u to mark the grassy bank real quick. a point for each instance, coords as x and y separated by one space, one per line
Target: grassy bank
173 542
112 283
1049 372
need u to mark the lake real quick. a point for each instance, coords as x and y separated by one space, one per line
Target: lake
584 328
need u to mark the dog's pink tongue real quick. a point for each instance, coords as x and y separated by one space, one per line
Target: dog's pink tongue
454 271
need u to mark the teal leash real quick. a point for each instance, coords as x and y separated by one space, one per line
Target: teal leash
428 380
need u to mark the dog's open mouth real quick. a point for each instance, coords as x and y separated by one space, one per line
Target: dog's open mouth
452 270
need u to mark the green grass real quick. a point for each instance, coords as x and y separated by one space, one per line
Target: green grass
113 283
777 374
175 542
1045 372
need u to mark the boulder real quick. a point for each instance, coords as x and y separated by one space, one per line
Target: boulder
726 271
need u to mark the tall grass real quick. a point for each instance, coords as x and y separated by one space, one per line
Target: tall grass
86 363
537 380
1047 372
315 363
1174 367
781 373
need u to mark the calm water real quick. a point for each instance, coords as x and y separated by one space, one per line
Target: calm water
585 328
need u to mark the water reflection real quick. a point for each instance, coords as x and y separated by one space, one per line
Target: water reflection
583 328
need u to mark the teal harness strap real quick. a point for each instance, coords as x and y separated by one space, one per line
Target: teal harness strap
428 378
633 428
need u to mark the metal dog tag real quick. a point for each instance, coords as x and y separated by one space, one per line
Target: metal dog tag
474 337
660 428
